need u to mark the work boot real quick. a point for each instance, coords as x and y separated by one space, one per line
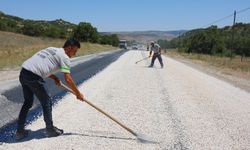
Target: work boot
20 134
53 132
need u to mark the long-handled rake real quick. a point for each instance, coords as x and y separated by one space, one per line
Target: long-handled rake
139 137
142 59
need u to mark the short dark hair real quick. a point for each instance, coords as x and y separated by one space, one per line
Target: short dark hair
72 42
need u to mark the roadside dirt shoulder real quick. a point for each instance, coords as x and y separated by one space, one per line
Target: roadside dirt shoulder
236 78
9 74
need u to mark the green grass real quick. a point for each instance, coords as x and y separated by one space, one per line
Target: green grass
16 48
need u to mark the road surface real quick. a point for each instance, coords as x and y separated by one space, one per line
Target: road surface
176 107
11 95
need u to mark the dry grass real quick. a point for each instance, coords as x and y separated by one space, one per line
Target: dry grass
229 66
16 48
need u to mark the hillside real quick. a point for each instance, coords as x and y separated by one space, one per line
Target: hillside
15 48
226 41
146 36
58 27
61 29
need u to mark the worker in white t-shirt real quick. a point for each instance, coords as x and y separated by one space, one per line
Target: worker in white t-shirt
41 65
156 49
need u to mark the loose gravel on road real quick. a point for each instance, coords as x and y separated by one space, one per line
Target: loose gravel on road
177 107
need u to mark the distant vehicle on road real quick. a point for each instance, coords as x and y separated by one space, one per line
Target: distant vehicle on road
123 44
134 46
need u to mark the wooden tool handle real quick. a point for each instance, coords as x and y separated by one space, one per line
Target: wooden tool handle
100 110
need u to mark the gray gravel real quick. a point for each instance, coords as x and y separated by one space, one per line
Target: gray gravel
11 96
178 107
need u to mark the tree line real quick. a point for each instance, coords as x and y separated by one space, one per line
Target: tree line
84 31
227 41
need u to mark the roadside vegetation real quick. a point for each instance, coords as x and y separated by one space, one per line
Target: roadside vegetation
236 66
56 29
16 48
21 38
227 48
228 41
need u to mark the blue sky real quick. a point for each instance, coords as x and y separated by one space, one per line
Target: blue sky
132 15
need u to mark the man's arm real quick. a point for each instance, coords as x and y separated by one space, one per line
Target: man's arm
72 85
150 53
57 80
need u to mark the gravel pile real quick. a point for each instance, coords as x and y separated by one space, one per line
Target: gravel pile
176 107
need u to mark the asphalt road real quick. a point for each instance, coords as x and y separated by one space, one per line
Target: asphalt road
176 107
11 99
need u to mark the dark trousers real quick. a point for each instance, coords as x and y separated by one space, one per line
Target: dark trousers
33 84
156 55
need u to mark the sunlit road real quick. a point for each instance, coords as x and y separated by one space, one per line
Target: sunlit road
177 107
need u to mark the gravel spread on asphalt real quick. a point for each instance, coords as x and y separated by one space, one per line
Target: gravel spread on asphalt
176 107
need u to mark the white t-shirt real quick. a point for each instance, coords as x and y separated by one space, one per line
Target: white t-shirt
48 61
155 48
